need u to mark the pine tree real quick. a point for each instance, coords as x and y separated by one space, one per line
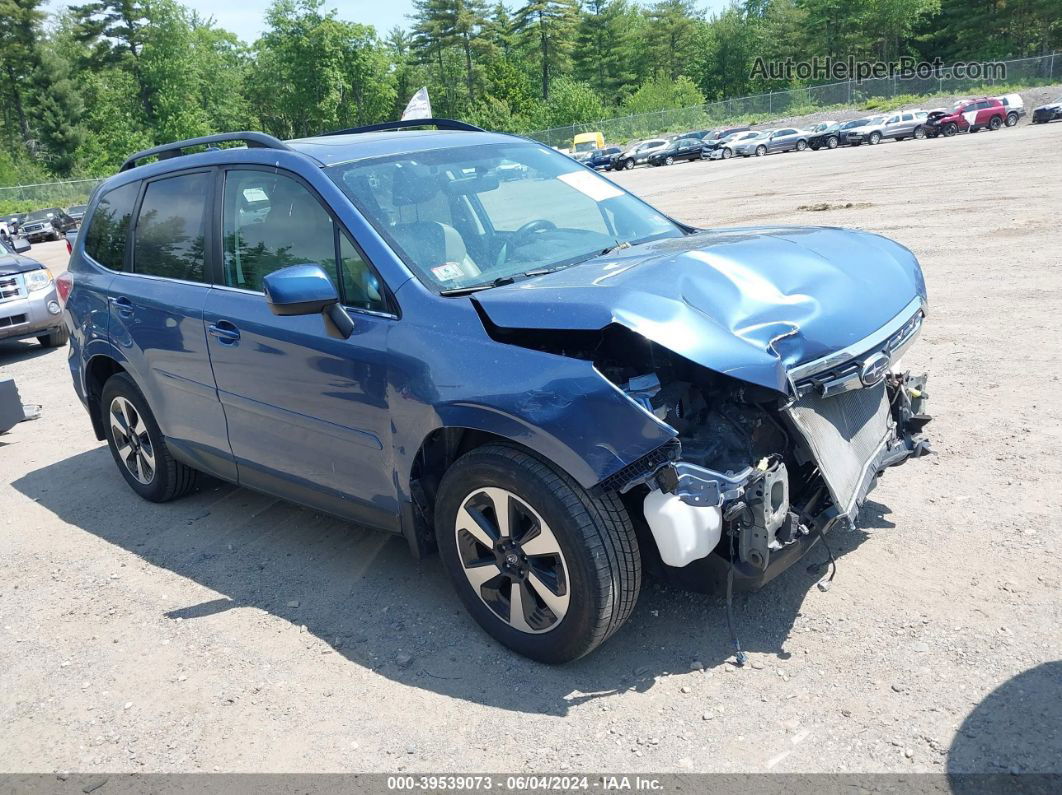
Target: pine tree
57 111
548 29
603 48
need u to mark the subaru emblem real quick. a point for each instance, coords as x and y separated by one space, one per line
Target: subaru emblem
874 369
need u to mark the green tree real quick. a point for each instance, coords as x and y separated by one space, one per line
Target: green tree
663 93
603 48
671 35
57 112
20 22
570 102
547 28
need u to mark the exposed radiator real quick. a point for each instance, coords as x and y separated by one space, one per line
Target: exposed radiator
846 433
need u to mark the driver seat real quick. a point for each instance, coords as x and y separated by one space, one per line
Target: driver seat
433 243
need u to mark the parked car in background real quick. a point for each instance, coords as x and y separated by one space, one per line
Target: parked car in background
601 159
680 149
851 128
549 381
968 115
638 154
49 224
723 148
824 135
905 124
1048 112
749 146
870 131
77 212
787 139
29 306
1015 107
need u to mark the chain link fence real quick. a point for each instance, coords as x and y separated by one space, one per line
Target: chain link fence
1042 70
65 193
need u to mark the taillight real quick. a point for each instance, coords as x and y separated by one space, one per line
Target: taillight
69 248
63 284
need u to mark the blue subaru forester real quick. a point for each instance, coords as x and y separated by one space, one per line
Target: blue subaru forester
471 340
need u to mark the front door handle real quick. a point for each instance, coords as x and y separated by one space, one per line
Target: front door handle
225 332
122 305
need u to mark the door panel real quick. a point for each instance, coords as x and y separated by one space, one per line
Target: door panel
156 318
307 410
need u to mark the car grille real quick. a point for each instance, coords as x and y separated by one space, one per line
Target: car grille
14 320
845 433
12 288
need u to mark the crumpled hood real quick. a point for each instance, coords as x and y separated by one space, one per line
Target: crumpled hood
15 263
1049 106
747 302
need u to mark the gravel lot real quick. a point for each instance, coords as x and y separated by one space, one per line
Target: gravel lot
228 631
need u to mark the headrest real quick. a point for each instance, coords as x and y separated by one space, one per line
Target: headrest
413 184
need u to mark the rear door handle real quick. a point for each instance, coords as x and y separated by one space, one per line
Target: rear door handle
225 332
123 306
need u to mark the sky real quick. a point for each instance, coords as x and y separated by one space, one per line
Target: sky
245 18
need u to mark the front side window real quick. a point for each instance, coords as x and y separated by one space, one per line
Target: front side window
469 216
170 236
108 230
271 221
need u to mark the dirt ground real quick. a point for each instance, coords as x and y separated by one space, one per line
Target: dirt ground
229 631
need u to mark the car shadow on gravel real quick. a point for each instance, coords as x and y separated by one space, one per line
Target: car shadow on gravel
361 593
13 351
1015 730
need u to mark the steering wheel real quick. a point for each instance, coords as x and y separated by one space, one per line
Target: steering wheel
520 235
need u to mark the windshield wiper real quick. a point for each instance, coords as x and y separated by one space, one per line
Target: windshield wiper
472 288
618 247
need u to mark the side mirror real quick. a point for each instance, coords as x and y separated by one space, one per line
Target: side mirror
20 245
306 290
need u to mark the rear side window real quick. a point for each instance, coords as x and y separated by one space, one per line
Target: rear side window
108 229
170 236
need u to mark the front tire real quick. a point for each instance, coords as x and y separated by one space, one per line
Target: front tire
627 166
950 129
875 138
669 161
831 142
727 153
761 150
55 338
995 123
545 568
137 445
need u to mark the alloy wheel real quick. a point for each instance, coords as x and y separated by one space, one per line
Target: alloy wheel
131 440
512 560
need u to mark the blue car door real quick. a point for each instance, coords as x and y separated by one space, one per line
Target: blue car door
156 316
307 410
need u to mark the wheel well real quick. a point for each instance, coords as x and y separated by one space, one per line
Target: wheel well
437 453
97 371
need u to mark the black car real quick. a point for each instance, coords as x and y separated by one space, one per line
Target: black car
1049 112
679 149
826 135
698 134
850 129
48 224
77 212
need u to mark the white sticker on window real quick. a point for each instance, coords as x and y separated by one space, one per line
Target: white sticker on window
447 272
597 188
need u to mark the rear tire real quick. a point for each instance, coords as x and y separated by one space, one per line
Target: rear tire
919 133
55 339
801 145
1012 119
137 445
569 559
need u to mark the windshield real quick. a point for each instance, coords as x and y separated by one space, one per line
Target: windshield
471 216
40 215
585 146
856 123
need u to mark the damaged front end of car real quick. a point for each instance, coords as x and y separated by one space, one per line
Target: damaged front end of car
758 476
772 358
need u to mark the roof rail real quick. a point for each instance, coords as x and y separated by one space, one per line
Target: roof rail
442 124
176 149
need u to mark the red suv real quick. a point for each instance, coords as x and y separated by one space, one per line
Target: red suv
970 115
